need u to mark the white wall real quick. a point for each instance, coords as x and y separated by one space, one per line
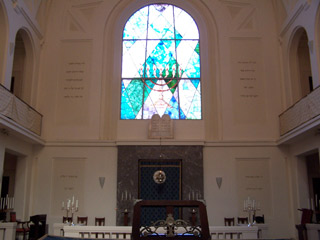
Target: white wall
233 127
94 201
222 162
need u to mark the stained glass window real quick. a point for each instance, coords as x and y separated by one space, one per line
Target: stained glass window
160 64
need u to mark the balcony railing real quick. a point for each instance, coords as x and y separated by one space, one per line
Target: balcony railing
17 110
303 111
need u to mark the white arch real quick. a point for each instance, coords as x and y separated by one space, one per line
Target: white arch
294 67
113 48
27 84
3 41
316 45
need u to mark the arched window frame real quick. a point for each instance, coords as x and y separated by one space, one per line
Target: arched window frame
160 77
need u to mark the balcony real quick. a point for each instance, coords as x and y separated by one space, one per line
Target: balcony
301 117
15 113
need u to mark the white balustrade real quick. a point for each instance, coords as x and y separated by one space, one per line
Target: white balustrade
8 230
124 232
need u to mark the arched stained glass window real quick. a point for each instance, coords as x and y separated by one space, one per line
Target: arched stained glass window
161 64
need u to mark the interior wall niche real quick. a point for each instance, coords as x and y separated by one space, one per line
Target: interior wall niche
191 158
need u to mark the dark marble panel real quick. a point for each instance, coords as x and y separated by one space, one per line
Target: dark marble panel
128 172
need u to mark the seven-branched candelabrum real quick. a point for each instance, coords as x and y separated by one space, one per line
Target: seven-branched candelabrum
72 206
251 206
160 79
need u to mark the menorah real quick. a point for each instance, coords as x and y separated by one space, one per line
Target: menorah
72 206
251 206
161 77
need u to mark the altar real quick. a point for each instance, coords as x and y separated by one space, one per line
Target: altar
124 232
169 227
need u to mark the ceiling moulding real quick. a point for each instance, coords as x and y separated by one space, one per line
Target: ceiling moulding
26 14
292 17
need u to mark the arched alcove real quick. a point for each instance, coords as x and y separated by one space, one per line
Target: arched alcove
300 68
316 43
112 61
22 68
3 41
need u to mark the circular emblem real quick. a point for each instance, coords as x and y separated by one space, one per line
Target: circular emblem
159 177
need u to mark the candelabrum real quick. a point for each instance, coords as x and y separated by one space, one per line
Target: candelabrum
6 203
72 206
126 202
251 206
162 79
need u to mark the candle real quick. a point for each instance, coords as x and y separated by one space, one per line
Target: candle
311 201
12 202
77 203
62 204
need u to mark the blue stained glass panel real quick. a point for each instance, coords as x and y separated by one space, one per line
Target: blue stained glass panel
132 58
161 22
136 26
183 19
161 64
189 58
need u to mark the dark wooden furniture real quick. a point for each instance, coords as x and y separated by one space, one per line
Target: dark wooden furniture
67 219
200 232
38 228
125 218
258 219
82 220
100 221
23 227
305 218
243 220
229 221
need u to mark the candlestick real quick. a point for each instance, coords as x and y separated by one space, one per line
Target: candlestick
72 207
251 206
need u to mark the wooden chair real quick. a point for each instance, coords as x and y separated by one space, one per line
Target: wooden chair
243 220
22 226
229 221
100 221
259 219
67 219
82 220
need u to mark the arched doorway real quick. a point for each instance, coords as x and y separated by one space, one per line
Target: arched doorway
300 67
3 42
22 68
13 183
